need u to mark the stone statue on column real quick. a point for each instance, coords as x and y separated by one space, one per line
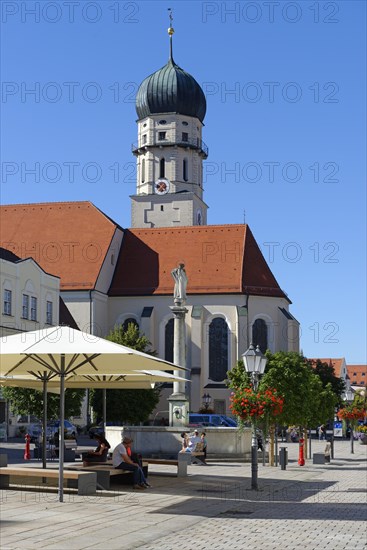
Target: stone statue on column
180 278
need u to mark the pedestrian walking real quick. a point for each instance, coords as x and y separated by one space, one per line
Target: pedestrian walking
327 451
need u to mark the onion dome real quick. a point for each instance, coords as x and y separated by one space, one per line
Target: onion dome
170 90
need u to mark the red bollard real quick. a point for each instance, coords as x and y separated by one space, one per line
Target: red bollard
27 450
301 457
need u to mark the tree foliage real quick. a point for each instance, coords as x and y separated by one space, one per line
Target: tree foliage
306 401
326 372
127 406
25 401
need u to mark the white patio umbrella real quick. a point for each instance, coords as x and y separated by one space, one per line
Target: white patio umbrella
61 351
28 383
143 380
139 380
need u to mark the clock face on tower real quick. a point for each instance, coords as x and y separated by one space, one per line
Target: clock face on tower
161 186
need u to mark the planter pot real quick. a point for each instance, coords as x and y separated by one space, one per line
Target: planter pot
363 440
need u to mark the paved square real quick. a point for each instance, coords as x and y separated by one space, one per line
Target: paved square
311 507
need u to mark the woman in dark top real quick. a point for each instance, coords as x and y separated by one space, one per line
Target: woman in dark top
100 453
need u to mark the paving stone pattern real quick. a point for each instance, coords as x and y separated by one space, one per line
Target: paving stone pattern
310 507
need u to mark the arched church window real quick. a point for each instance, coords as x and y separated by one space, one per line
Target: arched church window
129 321
162 168
143 171
168 341
184 170
260 335
218 349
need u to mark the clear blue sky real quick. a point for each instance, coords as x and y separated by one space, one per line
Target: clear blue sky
285 127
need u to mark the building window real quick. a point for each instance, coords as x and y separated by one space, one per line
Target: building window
163 122
184 123
129 321
49 313
144 139
184 170
260 335
168 341
143 171
218 349
25 306
162 168
7 302
161 136
185 136
33 308
219 406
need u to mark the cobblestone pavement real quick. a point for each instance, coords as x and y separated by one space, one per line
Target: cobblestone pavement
309 507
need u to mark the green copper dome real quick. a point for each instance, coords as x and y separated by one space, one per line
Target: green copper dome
170 90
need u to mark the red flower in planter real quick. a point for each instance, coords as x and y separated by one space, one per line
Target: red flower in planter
246 404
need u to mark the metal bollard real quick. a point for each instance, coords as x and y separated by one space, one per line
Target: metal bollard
283 458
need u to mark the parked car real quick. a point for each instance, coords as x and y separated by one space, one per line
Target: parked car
53 426
218 420
35 431
99 429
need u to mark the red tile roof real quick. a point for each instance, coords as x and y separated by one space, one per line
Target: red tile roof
336 363
357 375
71 239
219 259
68 239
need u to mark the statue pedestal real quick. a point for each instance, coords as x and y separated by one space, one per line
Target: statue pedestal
178 402
178 410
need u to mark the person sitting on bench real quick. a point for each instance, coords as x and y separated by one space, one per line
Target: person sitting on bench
190 442
122 461
100 453
205 444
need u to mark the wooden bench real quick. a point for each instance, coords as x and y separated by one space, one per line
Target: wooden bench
104 472
52 450
85 482
70 447
183 460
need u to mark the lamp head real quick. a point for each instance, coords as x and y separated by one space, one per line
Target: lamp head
254 360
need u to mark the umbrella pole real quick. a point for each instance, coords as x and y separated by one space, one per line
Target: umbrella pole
61 430
104 411
44 422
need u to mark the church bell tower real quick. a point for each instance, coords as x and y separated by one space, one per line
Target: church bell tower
170 151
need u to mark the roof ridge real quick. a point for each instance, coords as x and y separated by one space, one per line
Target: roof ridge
195 227
48 203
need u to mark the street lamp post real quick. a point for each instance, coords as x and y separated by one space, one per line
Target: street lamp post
254 362
206 401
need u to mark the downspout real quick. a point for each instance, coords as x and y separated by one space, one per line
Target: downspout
248 323
90 325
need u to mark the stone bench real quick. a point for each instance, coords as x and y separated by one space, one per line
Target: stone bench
104 472
183 460
52 451
85 482
318 458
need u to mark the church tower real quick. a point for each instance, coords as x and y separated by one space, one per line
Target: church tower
170 151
